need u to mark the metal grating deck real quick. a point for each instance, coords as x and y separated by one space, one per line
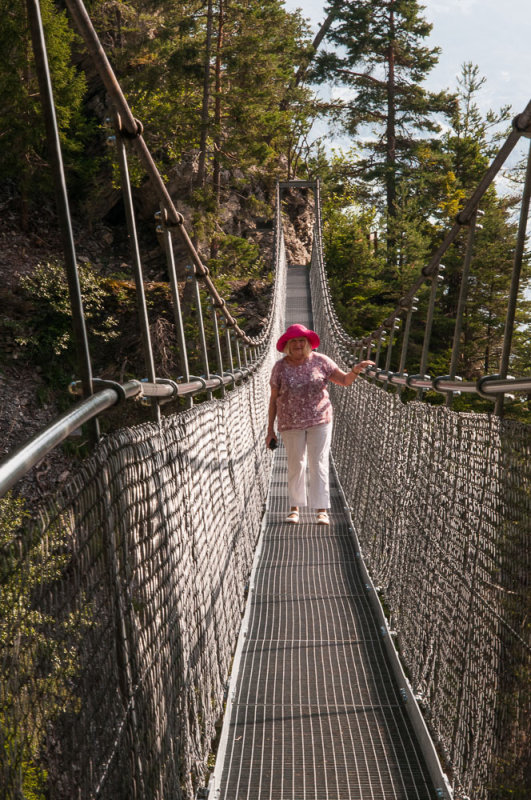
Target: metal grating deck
316 713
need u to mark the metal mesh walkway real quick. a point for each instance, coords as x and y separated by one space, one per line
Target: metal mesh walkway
316 712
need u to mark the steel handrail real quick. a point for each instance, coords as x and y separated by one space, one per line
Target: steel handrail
18 463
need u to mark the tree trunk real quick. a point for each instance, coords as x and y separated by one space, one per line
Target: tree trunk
206 100
303 68
321 33
390 161
216 178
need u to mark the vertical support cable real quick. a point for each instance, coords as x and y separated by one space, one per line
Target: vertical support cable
390 348
463 291
381 335
177 311
63 209
238 353
217 345
137 266
428 326
201 323
229 350
515 282
405 343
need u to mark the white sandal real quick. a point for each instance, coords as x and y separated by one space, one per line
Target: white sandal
322 518
293 517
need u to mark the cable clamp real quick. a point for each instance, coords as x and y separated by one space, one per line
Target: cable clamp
164 219
230 374
127 134
169 382
99 384
480 383
521 130
461 219
218 377
200 379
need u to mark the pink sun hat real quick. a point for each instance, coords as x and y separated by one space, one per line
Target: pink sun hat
294 332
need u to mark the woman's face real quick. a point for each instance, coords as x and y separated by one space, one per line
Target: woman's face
297 346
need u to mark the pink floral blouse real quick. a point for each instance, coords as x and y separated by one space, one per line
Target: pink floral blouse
303 399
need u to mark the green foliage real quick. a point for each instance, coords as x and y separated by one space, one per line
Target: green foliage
50 334
38 652
427 200
158 51
353 265
236 257
23 156
261 107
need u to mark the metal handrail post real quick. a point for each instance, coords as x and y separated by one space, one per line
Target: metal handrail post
149 361
378 348
217 344
63 207
390 349
428 326
177 310
202 335
405 344
238 352
463 291
229 350
515 281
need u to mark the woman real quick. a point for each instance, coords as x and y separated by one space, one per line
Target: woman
301 404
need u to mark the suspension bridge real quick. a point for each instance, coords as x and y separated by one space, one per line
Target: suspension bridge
166 635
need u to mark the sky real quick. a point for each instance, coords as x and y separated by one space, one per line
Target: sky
494 34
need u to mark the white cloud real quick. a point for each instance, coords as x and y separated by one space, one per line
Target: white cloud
465 7
342 93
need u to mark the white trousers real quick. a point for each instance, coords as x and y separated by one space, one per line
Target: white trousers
312 445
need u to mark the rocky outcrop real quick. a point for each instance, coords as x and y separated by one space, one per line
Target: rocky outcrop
298 217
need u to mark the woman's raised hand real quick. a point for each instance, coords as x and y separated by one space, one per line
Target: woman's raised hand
364 364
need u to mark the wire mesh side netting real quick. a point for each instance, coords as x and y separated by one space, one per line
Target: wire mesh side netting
122 608
442 508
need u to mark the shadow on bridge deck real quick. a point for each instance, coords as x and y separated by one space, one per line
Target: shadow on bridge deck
315 711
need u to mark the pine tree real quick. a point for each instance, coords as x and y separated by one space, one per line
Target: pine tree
259 103
23 155
379 56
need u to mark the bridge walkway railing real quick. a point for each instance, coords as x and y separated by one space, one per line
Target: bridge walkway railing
315 709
